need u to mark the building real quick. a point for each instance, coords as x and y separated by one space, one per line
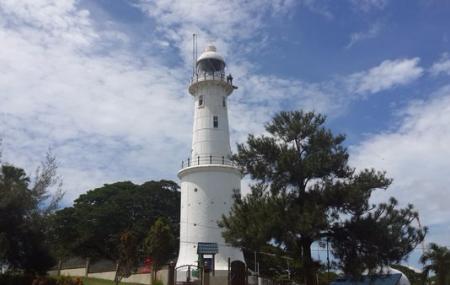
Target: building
208 177
388 276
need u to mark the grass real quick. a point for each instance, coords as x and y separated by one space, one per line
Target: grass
96 281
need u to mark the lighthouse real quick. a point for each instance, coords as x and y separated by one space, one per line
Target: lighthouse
209 179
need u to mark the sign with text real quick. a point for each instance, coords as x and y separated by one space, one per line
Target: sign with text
207 248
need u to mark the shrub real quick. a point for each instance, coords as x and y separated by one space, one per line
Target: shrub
21 279
67 280
157 282
15 279
60 280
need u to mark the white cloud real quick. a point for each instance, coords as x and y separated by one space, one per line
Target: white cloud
319 7
388 74
441 66
416 155
225 23
369 5
105 116
122 114
373 31
58 20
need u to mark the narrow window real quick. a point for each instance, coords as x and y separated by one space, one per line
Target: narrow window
224 103
215 122
200 100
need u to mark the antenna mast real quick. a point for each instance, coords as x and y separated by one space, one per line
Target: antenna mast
194 53
420 227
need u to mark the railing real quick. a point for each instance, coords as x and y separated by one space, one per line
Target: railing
211 76
207 159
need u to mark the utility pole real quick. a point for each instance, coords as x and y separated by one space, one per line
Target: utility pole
328 261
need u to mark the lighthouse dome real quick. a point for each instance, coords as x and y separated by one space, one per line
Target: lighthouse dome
210 61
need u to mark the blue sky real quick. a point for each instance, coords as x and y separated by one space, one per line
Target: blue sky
104 84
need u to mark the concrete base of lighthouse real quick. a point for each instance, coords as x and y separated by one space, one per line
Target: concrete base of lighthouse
206 194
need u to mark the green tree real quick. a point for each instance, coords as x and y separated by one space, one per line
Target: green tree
160 243
93 226
376 237
304 191
128 257
25 205
437 259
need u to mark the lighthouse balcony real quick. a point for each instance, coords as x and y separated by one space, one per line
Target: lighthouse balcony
219 77
202 76
207 160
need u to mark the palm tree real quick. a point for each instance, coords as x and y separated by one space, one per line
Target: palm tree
437 259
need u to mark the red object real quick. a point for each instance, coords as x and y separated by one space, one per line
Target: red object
147 267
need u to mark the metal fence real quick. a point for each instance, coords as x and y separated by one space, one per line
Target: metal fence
209 76
206 160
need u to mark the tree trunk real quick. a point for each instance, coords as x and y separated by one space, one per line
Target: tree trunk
117 277
308 263
441 276
154 271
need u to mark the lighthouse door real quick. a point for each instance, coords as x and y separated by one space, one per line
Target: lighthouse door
237 275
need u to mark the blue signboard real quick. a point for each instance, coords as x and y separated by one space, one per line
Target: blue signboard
207 248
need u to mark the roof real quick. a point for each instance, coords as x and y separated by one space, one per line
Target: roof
388 279
210 52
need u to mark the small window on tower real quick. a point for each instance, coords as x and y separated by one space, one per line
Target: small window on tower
215 122
224 102
200 100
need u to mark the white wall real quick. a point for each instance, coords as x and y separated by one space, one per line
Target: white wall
74 272
206 194
207 140
142 278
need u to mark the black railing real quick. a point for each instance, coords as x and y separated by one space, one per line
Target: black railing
210 76
207 159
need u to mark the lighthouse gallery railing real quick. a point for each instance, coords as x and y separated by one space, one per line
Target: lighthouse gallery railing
202 76
207 159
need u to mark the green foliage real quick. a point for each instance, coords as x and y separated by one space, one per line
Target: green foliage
304 191
157 282
60 280
325 278
437 259
385 230
25 205
128 255
93 226
96 281
21 279
160 242
16 279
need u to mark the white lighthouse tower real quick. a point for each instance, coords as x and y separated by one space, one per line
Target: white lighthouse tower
208 178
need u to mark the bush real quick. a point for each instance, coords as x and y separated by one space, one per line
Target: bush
157 282
17 279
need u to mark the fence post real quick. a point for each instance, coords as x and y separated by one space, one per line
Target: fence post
59 267
198 160
88 263
117 270
188 278
171 277
229 271
246 276
210 159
